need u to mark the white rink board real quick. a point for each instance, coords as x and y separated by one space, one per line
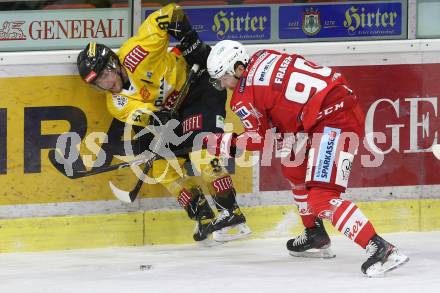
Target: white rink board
266 198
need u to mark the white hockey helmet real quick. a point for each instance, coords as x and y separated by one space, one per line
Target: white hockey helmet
224 57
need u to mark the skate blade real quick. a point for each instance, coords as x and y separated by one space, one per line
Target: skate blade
325 253
210 243
394 261
236 232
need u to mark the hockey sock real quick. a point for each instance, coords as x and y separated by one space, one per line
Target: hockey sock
344 215
220 185
190 197
195 204
301 197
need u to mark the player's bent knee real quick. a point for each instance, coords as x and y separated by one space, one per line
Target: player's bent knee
322 201
175 187
167 171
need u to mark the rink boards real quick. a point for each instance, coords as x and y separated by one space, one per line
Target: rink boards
172 226
42 210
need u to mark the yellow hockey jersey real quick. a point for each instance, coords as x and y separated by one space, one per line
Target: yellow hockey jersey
156 75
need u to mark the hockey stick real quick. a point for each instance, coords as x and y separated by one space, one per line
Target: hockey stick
436 151
75 174
130 196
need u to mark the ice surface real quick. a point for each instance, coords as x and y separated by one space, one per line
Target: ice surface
245 266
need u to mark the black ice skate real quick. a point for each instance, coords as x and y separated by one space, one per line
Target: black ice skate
382 257
230 224
313 242
202 229
204 217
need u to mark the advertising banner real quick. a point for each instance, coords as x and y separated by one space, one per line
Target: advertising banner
348 21
73 28
34 112
50 29
230 22
402 106
358 20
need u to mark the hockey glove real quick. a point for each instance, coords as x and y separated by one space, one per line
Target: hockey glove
194 50
179 25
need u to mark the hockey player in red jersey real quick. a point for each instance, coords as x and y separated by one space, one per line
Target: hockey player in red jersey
294 95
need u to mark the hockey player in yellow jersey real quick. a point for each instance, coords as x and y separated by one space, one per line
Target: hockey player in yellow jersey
142 78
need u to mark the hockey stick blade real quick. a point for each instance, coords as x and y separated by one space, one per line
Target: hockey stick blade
126 196
436 151
120 194
130 196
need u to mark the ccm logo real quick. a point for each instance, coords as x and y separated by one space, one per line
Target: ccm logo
330 110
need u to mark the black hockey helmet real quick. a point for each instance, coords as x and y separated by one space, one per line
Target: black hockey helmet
93 59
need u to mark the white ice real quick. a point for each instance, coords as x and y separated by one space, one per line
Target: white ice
245 266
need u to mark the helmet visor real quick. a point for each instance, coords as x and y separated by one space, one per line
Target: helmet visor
217 84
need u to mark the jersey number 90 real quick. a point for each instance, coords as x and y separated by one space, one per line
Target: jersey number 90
302 86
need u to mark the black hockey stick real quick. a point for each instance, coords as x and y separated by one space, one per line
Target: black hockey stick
75 173
130 196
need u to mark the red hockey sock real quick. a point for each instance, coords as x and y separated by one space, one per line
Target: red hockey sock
344 215
300 197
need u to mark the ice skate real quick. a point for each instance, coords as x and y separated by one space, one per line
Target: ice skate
230 225
313 243
204 217
382 257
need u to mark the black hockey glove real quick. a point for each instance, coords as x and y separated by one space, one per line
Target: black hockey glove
194 50
192 47
179 25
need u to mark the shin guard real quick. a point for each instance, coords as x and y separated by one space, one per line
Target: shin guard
344 215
